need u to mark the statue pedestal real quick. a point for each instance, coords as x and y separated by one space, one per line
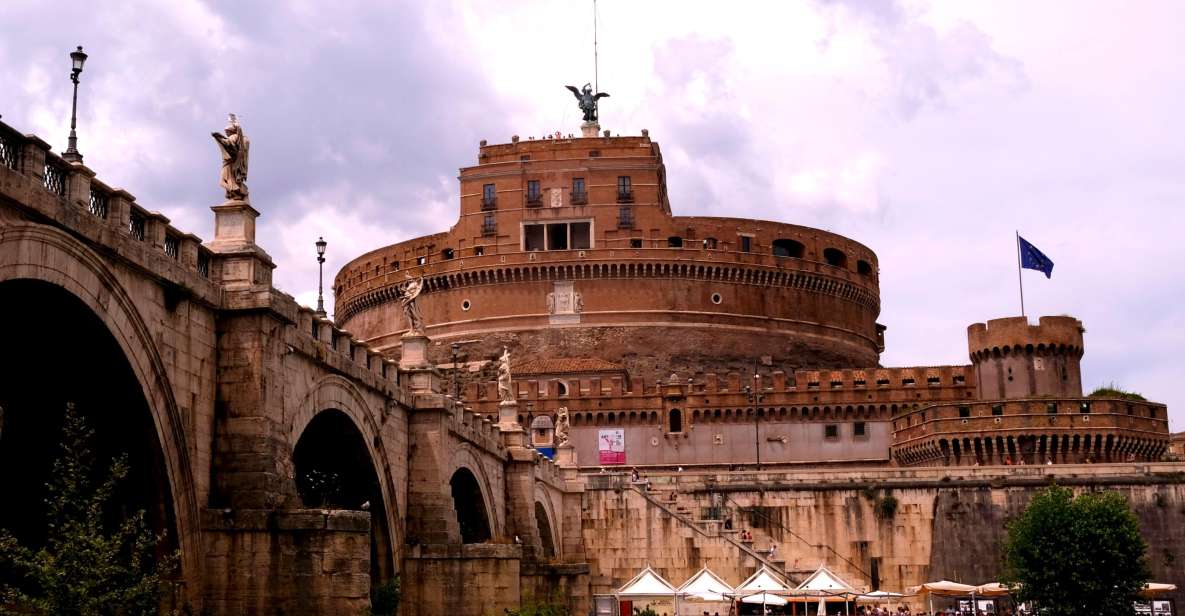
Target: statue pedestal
589 130
512 431
422 376
240 263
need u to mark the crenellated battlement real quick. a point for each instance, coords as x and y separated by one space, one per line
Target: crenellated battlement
1052 334
806 387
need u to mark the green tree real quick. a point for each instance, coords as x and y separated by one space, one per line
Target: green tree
89 565
1072 556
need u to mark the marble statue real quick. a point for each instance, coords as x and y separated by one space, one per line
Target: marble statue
505 388
235 148
588 101
561 426
409 290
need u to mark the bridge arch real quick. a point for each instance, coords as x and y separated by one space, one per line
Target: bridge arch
335 396
473 497
547 524
38 254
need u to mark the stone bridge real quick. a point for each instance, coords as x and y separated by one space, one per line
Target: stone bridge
293 467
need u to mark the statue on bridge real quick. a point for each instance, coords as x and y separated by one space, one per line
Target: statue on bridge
505 387
408 292
562 424
235 147
588 100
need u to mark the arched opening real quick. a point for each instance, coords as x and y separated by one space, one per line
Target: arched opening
836 257
334 471
675 421
58 351
470 506
674 242
863 267
544 526
788 248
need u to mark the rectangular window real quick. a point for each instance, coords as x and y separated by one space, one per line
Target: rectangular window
836 384
746 243
859 429
421 260
557 236
579 193
533 195
1084 408
908 381
533 237
1051 408
488 198
635 242
625 190
625 218
964 411
479 251
831 431
489 226
997 409
581 235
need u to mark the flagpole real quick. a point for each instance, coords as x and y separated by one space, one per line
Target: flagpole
1020 279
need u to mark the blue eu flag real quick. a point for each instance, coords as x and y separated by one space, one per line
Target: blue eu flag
1031 258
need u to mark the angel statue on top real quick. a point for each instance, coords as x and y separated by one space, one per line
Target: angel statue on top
588 100
235 148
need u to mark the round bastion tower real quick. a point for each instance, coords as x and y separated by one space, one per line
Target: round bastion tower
566 247
1013 359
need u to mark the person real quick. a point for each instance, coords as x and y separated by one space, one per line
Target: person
773 550
634 475
728 523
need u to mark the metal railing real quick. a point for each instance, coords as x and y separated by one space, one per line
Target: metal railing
98 204
534 199
10 150
579 197
625 196
489 203
55 179
203 263
489 229
136 226
173 246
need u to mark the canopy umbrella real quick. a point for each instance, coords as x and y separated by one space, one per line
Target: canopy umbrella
1153 589
882 595
992 589
942 587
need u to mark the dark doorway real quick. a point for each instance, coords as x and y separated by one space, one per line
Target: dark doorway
470 506
334 471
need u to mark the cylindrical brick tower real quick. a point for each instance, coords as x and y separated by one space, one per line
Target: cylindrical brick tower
1013 359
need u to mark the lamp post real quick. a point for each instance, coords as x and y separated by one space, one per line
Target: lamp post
755 396
320 269
77 59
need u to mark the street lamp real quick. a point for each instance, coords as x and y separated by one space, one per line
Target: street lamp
754 394
77 59
320 269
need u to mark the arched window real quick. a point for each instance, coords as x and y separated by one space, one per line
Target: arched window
562 388
469 504
836 257
674 242
675 421
863 267
788 248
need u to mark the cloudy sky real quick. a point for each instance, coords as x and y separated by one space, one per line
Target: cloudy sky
929 131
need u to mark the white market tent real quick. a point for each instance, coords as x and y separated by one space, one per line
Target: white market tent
882 595
763 580
705 586
942 587
764 598
1153 589
646 584
826 584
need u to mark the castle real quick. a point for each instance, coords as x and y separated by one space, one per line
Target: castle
297 462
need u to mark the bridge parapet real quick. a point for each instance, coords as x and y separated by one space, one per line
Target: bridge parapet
108 218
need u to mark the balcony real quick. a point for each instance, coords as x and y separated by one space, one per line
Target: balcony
625 219
579 198
534 199
489 229
625 196
489 203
